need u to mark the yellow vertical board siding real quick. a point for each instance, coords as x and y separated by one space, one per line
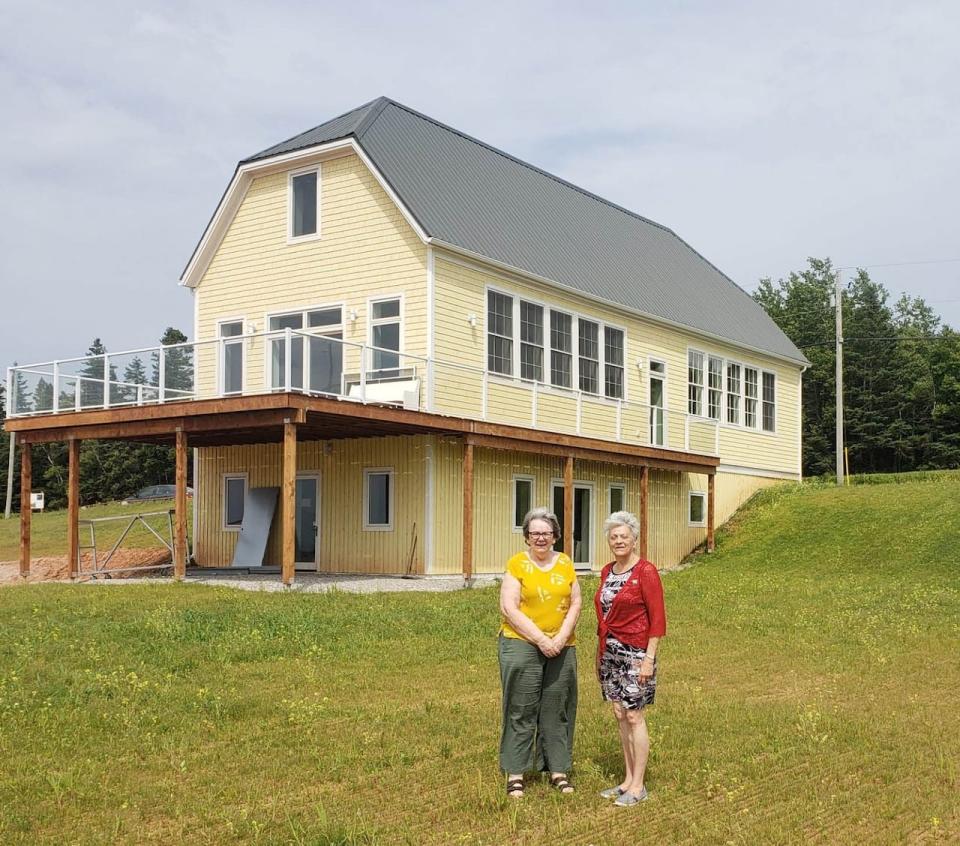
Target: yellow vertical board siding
460 292
344 545
365 249
671 537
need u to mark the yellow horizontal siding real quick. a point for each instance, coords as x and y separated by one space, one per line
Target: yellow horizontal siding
365 249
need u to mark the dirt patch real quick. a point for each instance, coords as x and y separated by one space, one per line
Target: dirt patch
55 569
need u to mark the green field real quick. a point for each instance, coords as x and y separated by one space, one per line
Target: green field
808 693
48 530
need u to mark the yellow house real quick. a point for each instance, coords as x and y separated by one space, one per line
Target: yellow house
414 337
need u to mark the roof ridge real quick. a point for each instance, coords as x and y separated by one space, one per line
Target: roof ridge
529 166
371 117
313 128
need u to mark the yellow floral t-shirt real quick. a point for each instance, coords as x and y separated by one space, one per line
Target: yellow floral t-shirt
544 594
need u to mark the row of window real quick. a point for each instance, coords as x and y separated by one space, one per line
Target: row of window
730 392
378 500
529 340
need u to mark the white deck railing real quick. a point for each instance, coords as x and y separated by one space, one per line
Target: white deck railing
315 364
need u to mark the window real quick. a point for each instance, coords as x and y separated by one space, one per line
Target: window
499 333
697 515
695 383
733 393
658 375
234 495
714 386
531 341
385 334
231 364
769 402
378 500
589 361
613 362
522 499
616 498
750 396
561 349
304 206
324 366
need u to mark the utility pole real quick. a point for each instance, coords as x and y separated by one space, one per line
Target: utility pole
839 300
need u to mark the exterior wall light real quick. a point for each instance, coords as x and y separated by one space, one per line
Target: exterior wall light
472 319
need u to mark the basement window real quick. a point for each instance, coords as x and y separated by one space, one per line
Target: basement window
234 495
378 500
697 509
522 499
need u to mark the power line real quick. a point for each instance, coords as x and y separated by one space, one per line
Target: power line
867 340
899 264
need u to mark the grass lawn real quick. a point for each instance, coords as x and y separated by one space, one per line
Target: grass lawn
48 530
808 692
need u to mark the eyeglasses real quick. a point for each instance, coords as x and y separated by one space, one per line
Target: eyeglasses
539 535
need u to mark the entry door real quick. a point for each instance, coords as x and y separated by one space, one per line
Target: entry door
582 521
307 532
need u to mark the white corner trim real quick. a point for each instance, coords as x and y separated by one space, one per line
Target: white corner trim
428 515
240 183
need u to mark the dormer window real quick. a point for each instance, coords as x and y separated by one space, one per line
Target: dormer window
305 204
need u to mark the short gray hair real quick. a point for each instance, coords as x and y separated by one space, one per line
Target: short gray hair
544 514
622 518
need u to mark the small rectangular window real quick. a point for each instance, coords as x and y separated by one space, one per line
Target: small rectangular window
522 499
499 333
613 362
531 341
698 508
617 498
378 500
303 204
589 360
561 349
385 335
231 366
769 402
733 393
234 495
695 383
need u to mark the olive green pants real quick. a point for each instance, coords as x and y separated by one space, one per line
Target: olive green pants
539 707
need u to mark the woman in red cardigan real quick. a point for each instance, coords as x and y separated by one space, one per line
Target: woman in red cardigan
630 622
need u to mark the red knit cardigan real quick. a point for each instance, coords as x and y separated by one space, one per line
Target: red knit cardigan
637 613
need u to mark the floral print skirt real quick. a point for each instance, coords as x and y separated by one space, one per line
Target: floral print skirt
619 676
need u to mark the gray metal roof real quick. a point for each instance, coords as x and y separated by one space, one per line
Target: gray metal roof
476 197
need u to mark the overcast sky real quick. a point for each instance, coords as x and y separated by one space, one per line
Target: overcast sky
760 132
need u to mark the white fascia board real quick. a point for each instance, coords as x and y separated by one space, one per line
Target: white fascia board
740 470
526 275
245 174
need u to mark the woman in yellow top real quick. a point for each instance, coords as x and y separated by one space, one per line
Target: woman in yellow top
540 605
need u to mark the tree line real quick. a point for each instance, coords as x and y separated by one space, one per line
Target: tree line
901 372
109 470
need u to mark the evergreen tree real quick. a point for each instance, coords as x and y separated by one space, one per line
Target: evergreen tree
134 374
178 366
91 385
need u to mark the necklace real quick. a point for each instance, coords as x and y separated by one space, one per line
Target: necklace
613 569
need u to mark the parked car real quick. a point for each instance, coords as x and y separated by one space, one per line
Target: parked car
156 492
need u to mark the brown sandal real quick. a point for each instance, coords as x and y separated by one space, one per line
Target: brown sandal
515 788
561 783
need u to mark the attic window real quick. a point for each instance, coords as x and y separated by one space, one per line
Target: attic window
304 204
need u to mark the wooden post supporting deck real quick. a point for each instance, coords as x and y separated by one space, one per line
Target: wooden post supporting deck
73 507
26 474
180 509
288 494
711 485
568 505
644 506
468 511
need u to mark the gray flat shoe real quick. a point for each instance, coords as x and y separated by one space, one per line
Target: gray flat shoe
611 792
625 800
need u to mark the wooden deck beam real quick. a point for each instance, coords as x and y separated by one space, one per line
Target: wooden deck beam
568 506
180 509
26 476
468 511
73 507
711 516
644 512
288 494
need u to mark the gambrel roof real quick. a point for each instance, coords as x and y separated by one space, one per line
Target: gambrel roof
471 196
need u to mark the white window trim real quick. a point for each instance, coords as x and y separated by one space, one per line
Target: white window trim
666 396
690 496
519 477
572 353
223 495
575 316
744 365
320 330
385 321
741 395
594 528
623 488
544 346
367 473
313 236
776 391
240 339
